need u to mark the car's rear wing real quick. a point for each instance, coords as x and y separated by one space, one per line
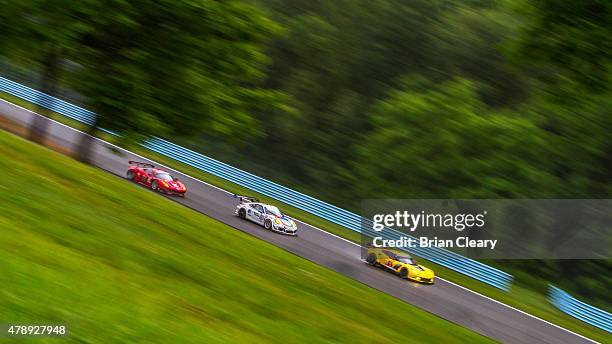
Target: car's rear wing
246 199
141 164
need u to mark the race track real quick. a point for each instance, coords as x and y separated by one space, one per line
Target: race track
444 299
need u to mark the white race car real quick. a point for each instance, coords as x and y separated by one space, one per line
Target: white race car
269 216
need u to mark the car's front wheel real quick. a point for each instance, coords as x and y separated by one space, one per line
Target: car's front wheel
403 273
371 259
155 186
242 213
268 224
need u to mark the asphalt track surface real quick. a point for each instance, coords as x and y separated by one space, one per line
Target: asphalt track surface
444 299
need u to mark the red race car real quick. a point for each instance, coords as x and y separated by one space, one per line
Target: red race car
158 180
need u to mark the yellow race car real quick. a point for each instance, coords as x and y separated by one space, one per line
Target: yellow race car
400 263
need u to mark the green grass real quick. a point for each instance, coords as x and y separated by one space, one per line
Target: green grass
520 296
120 264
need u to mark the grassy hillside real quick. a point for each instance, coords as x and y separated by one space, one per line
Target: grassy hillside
120 264
523 295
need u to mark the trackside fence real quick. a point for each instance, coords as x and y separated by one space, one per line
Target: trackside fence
332 213
580 310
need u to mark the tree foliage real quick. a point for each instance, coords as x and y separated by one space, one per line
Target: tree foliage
41 34
570 42
442 142
163 67
354 99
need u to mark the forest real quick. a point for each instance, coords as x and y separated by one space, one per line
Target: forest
353 99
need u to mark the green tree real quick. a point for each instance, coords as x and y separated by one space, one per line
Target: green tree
441 141
335 59
40 34
471 44
567 43
162 67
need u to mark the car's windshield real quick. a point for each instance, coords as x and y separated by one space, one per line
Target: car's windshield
406 260
163 176
273 211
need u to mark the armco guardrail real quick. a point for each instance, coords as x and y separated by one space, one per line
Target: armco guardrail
325 210
580 310
286 195
60 106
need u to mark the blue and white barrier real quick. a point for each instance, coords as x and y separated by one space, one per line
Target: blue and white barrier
580 310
